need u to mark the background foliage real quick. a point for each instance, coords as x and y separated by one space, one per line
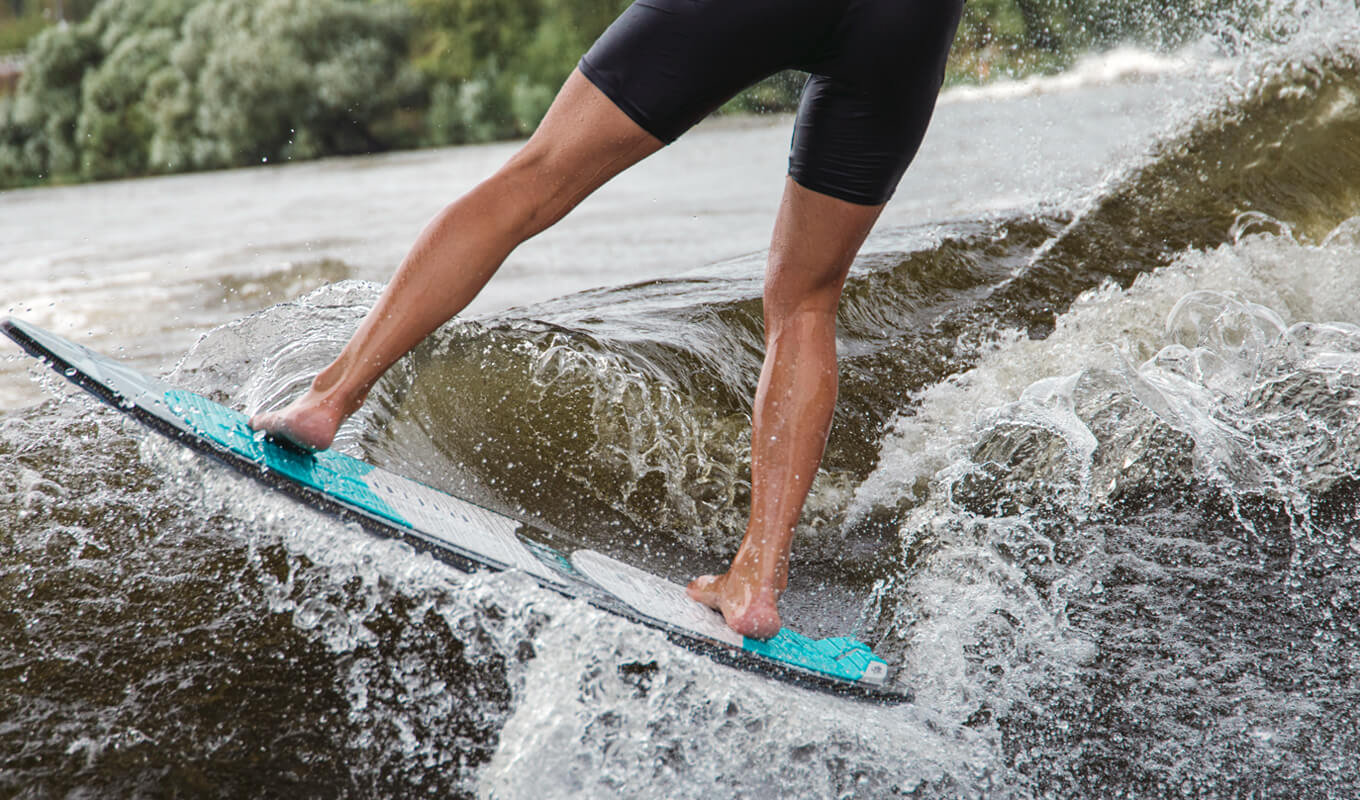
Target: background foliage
146 86
136 87
494 65
21 20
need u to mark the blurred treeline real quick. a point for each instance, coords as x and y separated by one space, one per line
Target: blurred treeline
135 87
21 20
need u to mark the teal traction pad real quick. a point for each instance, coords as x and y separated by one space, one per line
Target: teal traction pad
342 477
336 474
841 657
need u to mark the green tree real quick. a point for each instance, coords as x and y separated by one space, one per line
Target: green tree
115 127
47 105
162 85
279 79
495 65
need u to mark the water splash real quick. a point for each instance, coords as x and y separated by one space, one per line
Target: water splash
1088 552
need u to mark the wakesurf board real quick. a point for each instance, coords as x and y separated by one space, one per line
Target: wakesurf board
456 531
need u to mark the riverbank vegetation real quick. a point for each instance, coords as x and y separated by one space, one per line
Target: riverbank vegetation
137 87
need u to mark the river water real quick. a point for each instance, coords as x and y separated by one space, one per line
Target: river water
1093 488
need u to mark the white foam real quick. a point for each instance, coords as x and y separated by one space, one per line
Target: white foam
1109 328
1120 65
680 726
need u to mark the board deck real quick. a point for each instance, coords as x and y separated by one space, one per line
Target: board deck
458 532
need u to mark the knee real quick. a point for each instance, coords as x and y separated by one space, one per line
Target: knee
807 322
528 191
802 289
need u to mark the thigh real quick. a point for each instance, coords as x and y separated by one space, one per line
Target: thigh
669 63
866 107
583 141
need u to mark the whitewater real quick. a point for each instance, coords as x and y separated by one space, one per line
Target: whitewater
1093 486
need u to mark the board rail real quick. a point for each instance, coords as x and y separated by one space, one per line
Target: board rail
457 532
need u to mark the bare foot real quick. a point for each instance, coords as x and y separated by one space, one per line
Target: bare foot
309 421
749 609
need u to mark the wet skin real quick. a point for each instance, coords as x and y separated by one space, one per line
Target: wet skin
583 141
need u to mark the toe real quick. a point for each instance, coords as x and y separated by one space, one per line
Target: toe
704 589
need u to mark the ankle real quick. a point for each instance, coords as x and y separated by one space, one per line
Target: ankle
329 381
759 576
330 388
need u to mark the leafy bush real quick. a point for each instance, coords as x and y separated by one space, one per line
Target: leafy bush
14 168
47 103
495 65
279 79
166 85
115 126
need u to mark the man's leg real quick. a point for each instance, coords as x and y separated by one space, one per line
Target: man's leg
583 141
815 241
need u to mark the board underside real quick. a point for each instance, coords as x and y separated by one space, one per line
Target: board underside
460 533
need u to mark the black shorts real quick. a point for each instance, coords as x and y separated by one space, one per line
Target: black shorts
876 66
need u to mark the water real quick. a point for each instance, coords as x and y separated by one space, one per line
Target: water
1093 484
